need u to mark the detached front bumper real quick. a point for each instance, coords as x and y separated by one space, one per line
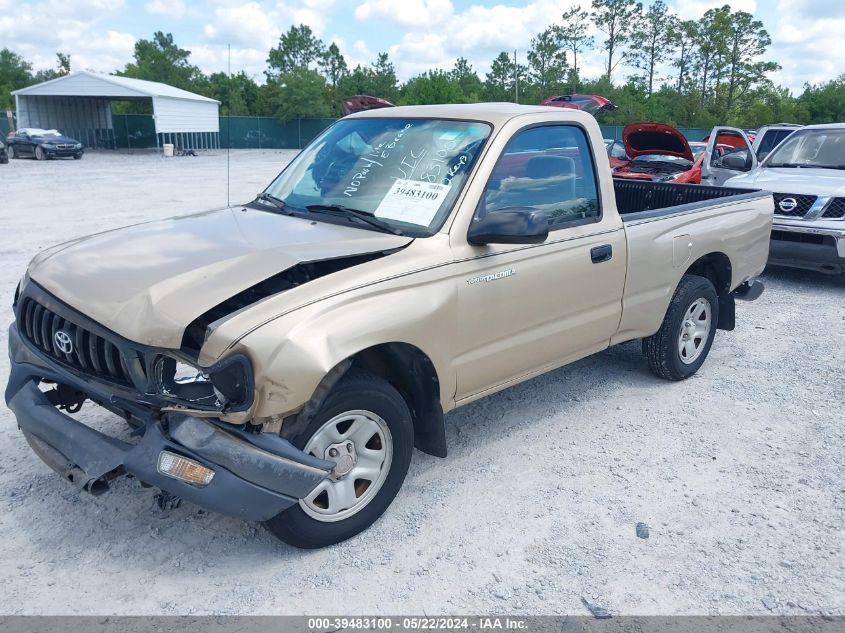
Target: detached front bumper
256 476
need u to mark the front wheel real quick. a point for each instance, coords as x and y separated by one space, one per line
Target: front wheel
40 154
11 152
365 427
77 156
684 339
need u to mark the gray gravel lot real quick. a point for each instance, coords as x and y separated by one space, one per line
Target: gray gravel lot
738 472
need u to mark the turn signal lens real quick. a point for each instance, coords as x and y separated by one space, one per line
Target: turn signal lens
184 469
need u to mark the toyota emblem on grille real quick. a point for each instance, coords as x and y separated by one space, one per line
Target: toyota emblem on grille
788 204
63 342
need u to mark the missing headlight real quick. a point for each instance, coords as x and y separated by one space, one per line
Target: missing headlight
226 385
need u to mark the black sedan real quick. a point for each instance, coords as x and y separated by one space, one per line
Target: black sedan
42 144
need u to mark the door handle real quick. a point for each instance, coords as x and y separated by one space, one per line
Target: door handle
601 253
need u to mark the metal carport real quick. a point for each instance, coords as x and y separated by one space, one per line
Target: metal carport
79 105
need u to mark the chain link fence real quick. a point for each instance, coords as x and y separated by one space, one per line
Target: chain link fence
137 131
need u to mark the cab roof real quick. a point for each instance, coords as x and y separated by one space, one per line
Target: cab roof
495 113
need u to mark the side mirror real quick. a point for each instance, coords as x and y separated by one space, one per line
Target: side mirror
740 161
512 226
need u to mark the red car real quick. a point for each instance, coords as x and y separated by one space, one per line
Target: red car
359 103
660 152
593 104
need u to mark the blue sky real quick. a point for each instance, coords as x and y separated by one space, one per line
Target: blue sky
418 34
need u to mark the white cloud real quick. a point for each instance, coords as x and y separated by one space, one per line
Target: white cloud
807 42
247 25
406 12
37 30
171 8
694 9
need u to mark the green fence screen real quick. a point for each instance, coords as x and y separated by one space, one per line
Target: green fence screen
137 131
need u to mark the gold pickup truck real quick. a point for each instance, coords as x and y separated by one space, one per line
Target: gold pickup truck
280 360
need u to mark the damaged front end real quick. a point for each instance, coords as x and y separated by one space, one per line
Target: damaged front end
183 446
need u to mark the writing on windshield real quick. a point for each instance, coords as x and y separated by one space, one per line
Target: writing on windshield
407 172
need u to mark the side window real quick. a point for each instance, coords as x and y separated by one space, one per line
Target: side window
548 168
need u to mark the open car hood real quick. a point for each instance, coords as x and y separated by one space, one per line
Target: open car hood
592 104
655 138
359 103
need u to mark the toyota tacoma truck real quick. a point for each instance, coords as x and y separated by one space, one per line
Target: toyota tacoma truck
280 360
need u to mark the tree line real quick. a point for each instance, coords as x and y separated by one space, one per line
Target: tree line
689 73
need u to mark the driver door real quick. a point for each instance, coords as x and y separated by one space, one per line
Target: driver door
714 171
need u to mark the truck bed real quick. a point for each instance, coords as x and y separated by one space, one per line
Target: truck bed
640 200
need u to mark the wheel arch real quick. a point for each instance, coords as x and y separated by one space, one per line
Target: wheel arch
410 371
716 267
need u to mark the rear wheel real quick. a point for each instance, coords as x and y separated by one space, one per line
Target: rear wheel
40 154
365 427
684 339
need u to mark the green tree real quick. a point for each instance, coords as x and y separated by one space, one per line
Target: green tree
376 80
823 103
711 45
546 64
615 18
385 82
500 84
465 76
298 49
573 34
747 42
238 95
160 59
297 94
15 73
333 65
649 41
681 35
62 68
433 86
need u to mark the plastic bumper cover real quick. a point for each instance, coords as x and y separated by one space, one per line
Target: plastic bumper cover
255 476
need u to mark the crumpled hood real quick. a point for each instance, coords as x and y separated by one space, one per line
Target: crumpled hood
655 138
147 282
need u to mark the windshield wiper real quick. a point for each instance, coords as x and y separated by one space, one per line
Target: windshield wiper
276 202
348 212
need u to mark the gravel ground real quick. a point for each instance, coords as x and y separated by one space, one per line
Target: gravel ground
736 472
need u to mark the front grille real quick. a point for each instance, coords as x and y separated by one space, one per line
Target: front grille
801 238
89 353
803 204
64 145
835 209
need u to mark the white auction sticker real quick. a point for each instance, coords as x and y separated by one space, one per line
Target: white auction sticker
412 201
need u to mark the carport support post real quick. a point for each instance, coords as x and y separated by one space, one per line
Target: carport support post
157 148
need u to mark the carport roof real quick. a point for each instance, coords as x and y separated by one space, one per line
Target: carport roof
84 83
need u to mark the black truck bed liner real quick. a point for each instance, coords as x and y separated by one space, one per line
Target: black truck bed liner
648 199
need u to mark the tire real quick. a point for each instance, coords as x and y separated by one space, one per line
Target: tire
40 154
11 152
684 339
77 156
374 406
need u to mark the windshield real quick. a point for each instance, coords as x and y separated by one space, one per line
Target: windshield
407 173
822 148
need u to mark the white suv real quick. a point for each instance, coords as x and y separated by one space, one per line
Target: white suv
806 173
